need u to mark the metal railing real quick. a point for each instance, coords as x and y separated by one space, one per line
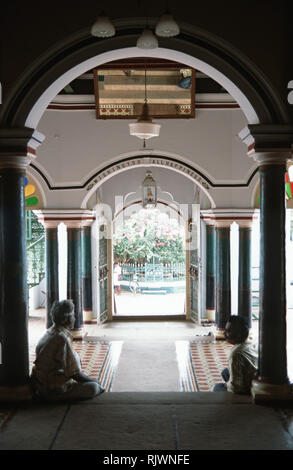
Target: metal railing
153 272
36 262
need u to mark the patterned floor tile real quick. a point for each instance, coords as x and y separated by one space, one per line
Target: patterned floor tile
201 364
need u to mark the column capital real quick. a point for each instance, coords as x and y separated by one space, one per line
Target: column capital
72 218
244 217
225 217
268 144
208 217
245 223
223 223
18 147
219 218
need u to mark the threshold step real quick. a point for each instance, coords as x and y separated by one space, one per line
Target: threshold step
175 317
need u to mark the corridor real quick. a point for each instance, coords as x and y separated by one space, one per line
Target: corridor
137 419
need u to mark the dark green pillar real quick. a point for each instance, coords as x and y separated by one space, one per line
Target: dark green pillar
272 282
210 269
271 146
74 279
52 277
87 274
14 364
244 271
223 287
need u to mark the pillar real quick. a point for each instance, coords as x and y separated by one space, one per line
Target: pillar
74 278
223 287
87 273
14 359
244 270
210 269
270 146
272 295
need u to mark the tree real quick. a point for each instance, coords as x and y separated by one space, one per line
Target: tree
149 236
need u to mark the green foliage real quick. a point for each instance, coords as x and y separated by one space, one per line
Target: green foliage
35 248
149 236
34 229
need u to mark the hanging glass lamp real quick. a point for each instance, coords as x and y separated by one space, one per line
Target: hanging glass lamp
149 191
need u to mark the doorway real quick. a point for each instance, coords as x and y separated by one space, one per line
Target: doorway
149 270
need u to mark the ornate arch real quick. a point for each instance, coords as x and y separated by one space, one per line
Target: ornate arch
195 47
148 161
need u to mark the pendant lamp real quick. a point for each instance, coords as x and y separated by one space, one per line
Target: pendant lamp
144 128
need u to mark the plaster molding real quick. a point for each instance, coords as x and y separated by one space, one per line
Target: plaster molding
279 157
265 392
17 162
147 160
245 223
72 218
223 223
268 144
225 217
87 102
18 147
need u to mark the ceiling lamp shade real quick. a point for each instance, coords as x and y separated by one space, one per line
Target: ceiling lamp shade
144 128
147 40
167 27
103 28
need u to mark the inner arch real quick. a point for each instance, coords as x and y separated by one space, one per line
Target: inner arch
41 104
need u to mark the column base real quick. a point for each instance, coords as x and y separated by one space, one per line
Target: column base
78 334
265 392
211 314
88 317
220 336
15 394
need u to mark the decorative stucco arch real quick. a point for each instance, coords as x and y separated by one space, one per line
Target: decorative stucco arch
141 159
194 47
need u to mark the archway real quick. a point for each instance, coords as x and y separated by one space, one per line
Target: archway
178 195
145 158
26 104
149 254
195 47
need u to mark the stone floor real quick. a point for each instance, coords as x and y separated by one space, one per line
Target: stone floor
137 421
151 421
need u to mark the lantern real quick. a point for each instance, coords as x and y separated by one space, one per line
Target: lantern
149 191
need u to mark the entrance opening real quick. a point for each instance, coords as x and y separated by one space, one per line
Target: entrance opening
149 273
35 249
